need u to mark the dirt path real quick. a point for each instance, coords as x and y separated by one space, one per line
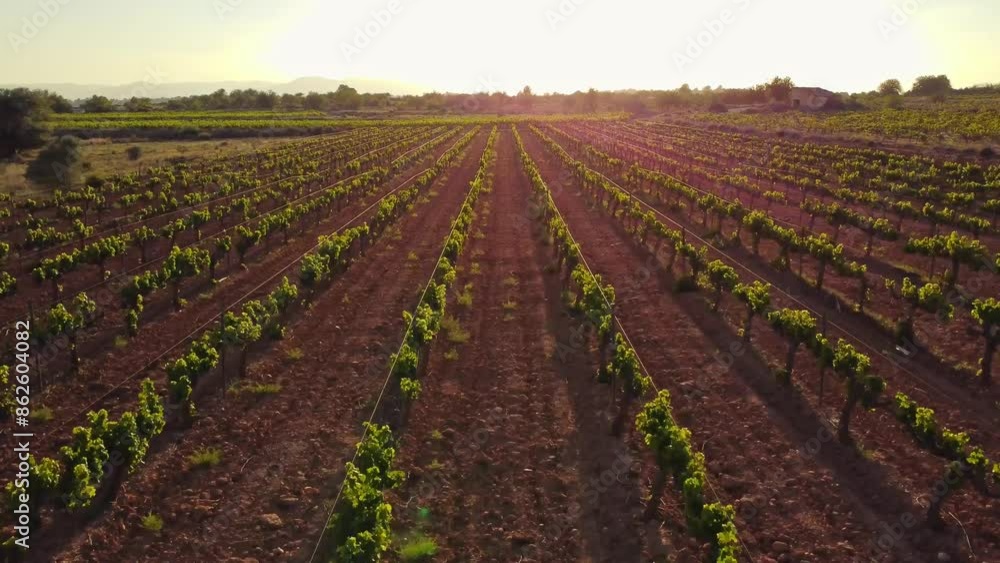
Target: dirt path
283 454
506 446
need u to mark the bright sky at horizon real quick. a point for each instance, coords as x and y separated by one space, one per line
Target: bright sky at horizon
477 45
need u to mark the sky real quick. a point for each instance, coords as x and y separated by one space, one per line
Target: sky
490 45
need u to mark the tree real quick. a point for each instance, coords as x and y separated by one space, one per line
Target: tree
363 529
526 98
757 298
625 367
758 223
291 101
987 313
929 297
314 101
314 269
143 235
960 249
826 252
723 278
85 459
266 100
21 114
98 104
670 443
182 264
881 228
56 102
217 99
590 100
902 209
346 98
59 161
184 372
52 269
99 251
934 86
133 432
221 249
853 366
138 104
797 326
890 87
239 331
779 89
68 321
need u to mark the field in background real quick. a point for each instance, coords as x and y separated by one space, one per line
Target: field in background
246 123
959 121
105 157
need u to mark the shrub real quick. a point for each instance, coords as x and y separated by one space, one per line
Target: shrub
59 162
152 523
464 298
41 414
256 388
454 331
418 548
205 457
94 181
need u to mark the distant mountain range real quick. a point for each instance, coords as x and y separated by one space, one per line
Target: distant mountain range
177 89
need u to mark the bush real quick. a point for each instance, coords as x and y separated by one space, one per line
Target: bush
94 181
41 415
419 548
59 161
152 523
256 388
207 457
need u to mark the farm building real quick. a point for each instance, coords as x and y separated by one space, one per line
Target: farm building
809 98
